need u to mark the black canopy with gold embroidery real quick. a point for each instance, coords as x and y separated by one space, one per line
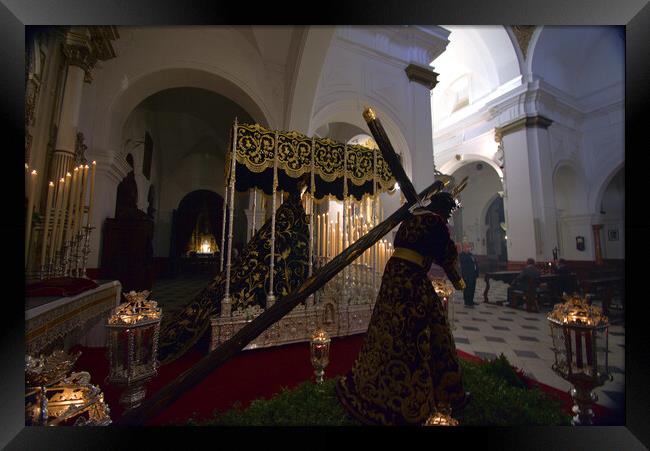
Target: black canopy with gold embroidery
255 152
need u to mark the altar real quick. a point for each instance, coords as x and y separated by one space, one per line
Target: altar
70 320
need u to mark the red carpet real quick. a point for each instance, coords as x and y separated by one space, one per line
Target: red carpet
255 374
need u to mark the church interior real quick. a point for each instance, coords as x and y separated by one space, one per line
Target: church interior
184 185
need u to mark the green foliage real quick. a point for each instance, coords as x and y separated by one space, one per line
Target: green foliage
501 368
499 398
306 405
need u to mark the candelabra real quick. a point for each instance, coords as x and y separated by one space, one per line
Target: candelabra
71 259
86 249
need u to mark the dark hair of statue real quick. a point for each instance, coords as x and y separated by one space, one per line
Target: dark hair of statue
442 204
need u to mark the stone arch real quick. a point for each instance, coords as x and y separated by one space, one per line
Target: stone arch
187 212
499 245
349 111
580 61
148 84
452 165
483 187
487 54
309 64
569 189
602 185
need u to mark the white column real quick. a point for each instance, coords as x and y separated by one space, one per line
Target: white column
528 200
63 158
111 170
541 175
421 142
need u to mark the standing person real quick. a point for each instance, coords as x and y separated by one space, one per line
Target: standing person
469 271
408 364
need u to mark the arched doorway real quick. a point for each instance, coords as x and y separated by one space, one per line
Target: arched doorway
612 210
495 235
478 222
196 229
573 223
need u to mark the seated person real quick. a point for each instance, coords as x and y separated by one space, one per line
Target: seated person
529 274
565 282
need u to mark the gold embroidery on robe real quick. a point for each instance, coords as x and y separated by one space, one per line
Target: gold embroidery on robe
408 361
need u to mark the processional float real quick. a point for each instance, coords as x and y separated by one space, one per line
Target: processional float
252 329
269 161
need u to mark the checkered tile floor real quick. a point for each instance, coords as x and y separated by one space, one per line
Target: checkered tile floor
488 330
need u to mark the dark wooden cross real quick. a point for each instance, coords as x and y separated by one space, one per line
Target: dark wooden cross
192 376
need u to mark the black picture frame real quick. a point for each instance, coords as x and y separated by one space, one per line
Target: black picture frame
16 14
612 235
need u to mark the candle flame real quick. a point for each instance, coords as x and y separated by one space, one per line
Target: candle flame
86 167
76 169
94 162
51 183
68 175
62 180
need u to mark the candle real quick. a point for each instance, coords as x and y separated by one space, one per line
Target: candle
327 237
77 197
324 236
578 341
26 180
92 191
48 212
57 215
30 209
73 192
318 236
339 242
64 210
82 195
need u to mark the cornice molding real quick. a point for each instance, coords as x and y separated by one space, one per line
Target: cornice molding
519 124
403 44
422 75
84 46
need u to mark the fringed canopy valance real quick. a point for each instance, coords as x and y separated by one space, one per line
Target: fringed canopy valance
255 148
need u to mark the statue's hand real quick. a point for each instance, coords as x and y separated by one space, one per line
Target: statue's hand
459 284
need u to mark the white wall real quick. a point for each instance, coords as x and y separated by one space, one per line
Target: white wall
365 66
574 77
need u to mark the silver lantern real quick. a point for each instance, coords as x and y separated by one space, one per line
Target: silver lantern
580 343
133 346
